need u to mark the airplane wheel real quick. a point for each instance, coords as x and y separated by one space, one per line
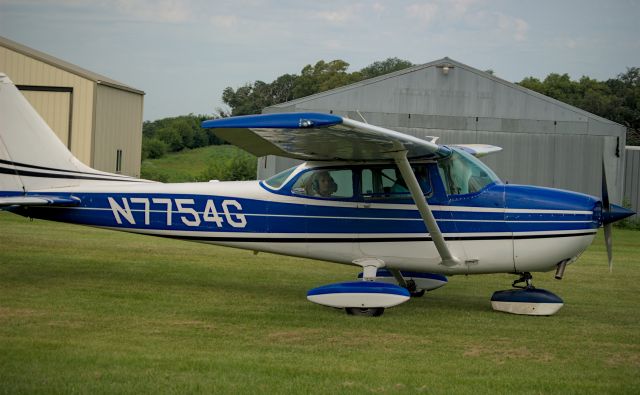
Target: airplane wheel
417 294
370 312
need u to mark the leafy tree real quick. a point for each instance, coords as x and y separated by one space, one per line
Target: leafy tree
627 88
239 100
282 88
532 83
386 66
320 77
153 148
170 136
202 138
175 134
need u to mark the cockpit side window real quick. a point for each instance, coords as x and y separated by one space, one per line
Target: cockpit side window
386 182
325 183
462 173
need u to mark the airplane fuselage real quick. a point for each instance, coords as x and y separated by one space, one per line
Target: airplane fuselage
501 228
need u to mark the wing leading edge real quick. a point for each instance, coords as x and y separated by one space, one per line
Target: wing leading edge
322 137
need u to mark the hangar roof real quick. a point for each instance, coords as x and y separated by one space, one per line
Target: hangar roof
66 66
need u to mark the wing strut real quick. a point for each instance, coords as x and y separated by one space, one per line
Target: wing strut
448 259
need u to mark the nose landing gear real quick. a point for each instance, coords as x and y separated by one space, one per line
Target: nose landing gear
526 278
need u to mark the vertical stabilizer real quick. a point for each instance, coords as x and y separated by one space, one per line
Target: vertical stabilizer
9 179
31 155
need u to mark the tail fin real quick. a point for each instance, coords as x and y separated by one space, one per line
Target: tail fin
31 155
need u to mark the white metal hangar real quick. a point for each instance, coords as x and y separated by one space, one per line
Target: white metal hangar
546 142
97 118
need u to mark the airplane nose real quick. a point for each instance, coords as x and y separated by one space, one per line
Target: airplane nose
615 213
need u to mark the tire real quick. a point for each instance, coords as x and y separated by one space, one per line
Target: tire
370 312
417 294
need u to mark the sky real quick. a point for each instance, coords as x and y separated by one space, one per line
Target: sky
183 53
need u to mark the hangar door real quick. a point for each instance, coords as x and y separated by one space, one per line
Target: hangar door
54 106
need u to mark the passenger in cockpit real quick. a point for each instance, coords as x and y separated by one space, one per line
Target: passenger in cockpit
323 184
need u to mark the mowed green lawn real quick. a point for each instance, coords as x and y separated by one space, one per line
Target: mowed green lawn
85 310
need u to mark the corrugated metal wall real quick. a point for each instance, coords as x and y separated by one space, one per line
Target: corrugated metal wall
632 180
118 125
24 70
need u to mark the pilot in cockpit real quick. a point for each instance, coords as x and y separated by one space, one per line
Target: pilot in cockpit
323 184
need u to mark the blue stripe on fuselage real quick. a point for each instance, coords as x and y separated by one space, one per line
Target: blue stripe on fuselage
278 217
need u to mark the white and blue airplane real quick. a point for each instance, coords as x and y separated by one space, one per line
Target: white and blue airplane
406 210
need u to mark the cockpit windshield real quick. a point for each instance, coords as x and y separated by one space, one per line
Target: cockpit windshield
463 173
277 180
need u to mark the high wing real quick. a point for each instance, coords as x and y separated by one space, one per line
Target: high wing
314 136
321 137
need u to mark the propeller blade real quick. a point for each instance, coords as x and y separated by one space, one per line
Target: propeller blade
606 205
609 242
606 208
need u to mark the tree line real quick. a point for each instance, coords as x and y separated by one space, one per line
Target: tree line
617 99
323 76
175 134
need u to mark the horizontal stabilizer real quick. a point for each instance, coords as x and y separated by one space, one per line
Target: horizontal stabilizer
478 150
38 200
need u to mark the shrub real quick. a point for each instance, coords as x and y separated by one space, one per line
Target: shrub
240 167
153 148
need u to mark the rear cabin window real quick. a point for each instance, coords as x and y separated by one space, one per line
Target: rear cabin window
387 182
325 183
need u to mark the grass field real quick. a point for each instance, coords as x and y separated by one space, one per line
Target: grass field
84 310
187 165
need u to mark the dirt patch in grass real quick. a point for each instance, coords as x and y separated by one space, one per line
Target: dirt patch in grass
502 351
66 324
383 389
350 339
624 359
7 313
297 336
193 324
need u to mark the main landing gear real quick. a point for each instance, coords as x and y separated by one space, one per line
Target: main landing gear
377 289
410 285
365 312
526 299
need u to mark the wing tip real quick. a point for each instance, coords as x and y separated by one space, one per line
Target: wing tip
288 120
